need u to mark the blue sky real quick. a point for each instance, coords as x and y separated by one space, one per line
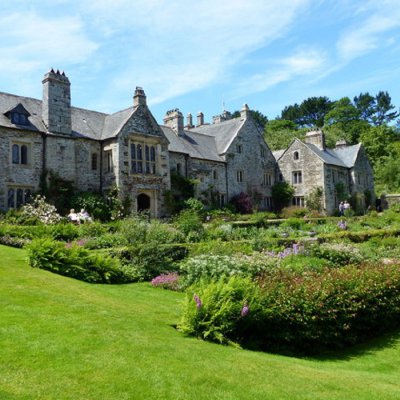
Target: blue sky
201 55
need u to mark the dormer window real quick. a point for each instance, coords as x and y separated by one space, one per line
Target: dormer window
18 115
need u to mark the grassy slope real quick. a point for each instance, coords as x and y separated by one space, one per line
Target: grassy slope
64 339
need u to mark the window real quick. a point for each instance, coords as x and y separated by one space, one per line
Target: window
298 201
297 177
238 148
17 197
268 203
239 176
94 161
267 179
109 161
20 154
333 176
144 163
215 175
221 200
296 155
280 178
179 168
262 152
19 118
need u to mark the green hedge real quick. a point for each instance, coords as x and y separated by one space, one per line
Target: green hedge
297 312
76 262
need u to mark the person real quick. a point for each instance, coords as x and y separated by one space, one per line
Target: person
73 216
346 206
84 216
341 209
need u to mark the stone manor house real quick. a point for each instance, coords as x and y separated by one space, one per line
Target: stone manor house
130 150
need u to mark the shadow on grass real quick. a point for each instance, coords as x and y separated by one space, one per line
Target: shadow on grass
370 346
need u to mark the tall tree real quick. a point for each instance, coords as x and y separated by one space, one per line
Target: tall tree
279 133
384 109
365 104
309 113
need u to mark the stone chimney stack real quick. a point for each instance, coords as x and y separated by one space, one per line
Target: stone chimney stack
341 144
245 112
56 103
139 99
200 118
174 120
189 121
317 138
225 116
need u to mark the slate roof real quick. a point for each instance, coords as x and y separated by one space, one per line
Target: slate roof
85 123
223 132
195 144
345 156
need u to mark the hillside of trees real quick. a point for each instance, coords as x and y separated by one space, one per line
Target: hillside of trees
372 120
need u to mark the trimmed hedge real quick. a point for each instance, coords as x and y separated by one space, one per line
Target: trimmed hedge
298 312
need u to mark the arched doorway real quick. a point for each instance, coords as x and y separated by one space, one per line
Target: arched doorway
143 202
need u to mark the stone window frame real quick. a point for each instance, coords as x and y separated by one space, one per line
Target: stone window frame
297 177
21 153
18 195
108 156
298 201
94 161
239 176
143 157
267 179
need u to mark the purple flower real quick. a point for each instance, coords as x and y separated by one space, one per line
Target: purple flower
245 310
198 301
295 248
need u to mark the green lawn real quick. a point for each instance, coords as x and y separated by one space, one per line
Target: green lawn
64 339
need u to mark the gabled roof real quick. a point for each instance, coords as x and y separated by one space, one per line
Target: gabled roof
345 156
19 108
194 144
223 132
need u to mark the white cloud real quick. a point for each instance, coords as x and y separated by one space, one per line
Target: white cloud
304 63
31 44
370 34
172 48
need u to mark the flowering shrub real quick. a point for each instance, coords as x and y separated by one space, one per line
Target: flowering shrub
300 312
167 281
242 203
222 311
44 212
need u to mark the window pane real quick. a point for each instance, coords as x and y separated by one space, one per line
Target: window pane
133 151
147 151
15 154
28 195
153 154
139 166
24 154
94 161
147 167
139 152
20 197
11 197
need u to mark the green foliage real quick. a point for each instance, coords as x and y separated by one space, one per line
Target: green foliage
314 199
76 262
282 194
220 311
182 189
190 224
293 212
311 112
40 210
94 203
279 133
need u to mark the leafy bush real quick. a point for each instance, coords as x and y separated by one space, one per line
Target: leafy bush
296 312
76 262
293 212
242 203
190 224
42 211
221 311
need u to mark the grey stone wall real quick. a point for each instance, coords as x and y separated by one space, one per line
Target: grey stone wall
19 175
249 154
